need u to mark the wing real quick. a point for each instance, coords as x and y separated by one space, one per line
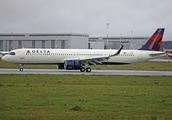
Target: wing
99 59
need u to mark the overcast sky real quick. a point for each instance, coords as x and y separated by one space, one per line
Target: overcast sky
142 17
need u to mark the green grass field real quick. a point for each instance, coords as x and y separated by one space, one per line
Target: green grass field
71 97
148 65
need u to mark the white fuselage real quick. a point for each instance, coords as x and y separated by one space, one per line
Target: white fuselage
58 56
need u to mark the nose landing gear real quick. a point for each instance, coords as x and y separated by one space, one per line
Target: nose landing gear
21 67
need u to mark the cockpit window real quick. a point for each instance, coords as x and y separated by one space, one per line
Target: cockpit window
12 53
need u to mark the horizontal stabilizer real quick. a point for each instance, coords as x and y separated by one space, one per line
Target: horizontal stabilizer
158 54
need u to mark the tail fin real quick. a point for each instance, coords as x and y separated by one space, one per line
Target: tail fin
154 43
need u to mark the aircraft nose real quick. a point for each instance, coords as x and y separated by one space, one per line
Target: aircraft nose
4 58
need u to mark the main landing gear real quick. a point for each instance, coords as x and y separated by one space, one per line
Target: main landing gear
21 67
88 69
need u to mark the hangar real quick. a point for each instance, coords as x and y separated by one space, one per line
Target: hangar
66 41
115 42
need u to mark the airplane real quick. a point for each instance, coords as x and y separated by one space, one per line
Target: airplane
81 59
2 53
168 54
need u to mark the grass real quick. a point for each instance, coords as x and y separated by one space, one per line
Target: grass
148 65
85 97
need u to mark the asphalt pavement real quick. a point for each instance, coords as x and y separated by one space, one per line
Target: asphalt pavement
93 72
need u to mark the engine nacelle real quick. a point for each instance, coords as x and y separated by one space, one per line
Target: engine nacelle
72 65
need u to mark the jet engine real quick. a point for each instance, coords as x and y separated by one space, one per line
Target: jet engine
72 65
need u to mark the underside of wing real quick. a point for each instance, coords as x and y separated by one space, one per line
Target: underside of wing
94 60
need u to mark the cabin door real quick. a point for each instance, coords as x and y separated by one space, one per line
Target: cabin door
22 54
139 55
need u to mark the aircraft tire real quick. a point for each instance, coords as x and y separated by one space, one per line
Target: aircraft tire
21 69
88 69
82 69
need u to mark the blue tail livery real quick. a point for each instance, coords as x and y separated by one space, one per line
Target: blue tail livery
154 43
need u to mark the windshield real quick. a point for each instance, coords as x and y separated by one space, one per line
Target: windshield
12 53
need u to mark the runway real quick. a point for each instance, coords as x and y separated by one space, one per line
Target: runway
94 72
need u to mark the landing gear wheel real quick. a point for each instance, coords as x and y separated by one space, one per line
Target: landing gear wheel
82 69
21 67
88 69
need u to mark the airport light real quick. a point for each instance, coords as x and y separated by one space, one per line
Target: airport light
131 40
107 34
56 41
11 40
120 39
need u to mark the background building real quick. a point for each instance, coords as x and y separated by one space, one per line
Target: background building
115 42
59 41
67 41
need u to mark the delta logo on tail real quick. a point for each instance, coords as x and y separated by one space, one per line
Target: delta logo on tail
154 43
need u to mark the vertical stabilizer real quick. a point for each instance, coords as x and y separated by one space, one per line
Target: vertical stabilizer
154 43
